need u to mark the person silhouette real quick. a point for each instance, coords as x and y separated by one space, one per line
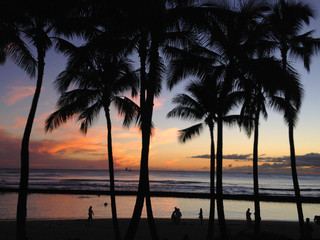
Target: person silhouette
176 215
201 216
307 230
248 216
90 213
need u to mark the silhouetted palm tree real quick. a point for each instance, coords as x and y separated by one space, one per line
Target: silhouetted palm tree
230 35
201 104
263 80
286 22
212 93
24 25
155 23
101 73
36 31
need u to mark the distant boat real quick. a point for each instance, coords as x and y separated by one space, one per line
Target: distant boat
127 169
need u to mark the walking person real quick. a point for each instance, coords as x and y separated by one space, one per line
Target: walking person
90 213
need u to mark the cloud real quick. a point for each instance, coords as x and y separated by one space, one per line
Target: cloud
171 162
232 156
70 152
17 93
158 103
201 156
307 164
237 156
19 122
309 159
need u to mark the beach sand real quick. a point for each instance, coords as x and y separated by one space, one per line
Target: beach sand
102 229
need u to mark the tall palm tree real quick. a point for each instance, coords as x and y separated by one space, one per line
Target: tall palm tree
286 22
155 23
100 74
214 97
25 25
263 80
36 31
230 35
201 104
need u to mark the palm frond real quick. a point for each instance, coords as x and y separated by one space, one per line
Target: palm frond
129 110
88 115
188 133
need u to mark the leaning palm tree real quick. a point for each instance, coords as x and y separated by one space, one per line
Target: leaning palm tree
36 30
286 22
201 104
100 75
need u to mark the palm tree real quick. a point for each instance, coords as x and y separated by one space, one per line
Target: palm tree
260 86
200 105
36 30
215 101
100 73
155 24
286 22
24 25
230 35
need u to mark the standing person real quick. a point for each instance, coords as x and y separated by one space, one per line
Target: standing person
248 216
90 213
201 216
178 215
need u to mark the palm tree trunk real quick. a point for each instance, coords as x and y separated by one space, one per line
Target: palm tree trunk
154 55
152 226
111 175
24 169
146 106
143 57
210 233
295 179
220 208
293 158
255 177
143 178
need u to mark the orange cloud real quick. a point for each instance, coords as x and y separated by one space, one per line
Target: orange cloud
17 93
164 136
171 162
19 122
158 103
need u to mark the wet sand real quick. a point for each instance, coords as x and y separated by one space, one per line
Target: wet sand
102 229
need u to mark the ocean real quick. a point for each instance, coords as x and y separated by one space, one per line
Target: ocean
71 206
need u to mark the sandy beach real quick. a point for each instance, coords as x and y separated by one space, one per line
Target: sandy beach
102 229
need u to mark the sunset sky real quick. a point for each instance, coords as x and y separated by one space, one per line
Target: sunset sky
67 148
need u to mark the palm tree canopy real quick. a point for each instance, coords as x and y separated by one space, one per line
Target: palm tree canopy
286 22
97 77
12 44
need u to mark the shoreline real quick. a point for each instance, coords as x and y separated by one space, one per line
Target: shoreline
100 228
238 197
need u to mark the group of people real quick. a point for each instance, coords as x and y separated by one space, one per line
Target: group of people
176 218
176 215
